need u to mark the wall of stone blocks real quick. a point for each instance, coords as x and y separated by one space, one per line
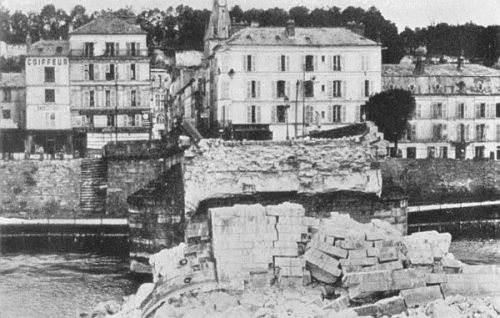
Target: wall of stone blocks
218 169
428 181
127 176
39 189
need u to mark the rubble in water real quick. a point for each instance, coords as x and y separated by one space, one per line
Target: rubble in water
255 261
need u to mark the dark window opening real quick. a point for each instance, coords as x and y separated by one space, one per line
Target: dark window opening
133 98
111 120
283 63
280 88
498 110
281 114
367 88
132 71
411 153
110 49
6 114
254 90
309 63
110 75
309 88
50 96
50 75
89 49
254 114
91 72
7 95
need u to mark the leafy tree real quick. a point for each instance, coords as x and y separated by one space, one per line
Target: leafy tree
390 111
301 16
236 13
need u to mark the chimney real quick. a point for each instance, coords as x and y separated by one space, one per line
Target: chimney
356 28
70 28
290 28
420 64
460 62
28 42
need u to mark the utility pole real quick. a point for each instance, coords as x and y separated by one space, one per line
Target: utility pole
297 86
116 103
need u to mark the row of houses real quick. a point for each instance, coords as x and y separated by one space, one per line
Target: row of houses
250 82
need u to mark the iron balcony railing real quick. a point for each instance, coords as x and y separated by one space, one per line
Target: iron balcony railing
109 54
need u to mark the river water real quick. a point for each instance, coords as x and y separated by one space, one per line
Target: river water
65 286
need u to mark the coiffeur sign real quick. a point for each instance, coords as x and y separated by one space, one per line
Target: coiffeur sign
46 61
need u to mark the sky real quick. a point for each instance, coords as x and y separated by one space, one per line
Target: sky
412 13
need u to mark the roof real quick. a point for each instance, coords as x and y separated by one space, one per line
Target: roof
275 36
49 48
109 24
450 70
12 80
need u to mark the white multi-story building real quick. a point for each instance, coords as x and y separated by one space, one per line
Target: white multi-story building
457 109
160 83
48 121
288 80
110 83
12 112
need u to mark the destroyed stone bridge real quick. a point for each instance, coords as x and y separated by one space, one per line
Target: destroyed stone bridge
322 175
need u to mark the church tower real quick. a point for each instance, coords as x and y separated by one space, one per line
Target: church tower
219 26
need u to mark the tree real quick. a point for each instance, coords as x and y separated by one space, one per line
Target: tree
390 111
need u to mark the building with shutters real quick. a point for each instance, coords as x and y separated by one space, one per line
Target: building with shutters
12 112
457 109
48 120
110 83
288 80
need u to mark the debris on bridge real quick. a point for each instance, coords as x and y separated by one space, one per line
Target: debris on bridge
273 261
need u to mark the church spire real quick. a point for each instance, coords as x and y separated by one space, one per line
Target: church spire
219 26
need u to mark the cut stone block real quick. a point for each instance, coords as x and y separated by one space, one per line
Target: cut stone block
435 278
481 269
330 249
407 279
373 251
322 275
370 310
323 261
384 266
391 306
388 254
351 243
421 296
473 285
365 261
368 281
438 243
358 253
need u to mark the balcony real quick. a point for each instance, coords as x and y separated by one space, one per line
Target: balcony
109 54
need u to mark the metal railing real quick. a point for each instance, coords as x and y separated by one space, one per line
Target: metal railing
111 54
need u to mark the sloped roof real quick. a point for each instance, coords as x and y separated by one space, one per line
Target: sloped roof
275 36
448 70
109 24
49 48
12 80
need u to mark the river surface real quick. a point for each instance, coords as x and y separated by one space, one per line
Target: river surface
65 286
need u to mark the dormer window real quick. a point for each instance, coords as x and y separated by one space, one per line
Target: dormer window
59 49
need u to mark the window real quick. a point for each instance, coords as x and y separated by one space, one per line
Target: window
411 152
481 110
461 133
498 110
336 114
438 132
437 110
323 88
336 63
309 115
249 63
254 89
110 72
283 63
110 49
133 49
309 88
411 132
110 120
133 97
6 113
479 152
50 76
225 90
132 72
89 49
480 132
498 133
431 152
92 98
91 72
280 89
108 98
309 63
50 96
362 113
367 88
323 58
443 152
7 95
253 114
337 89
281 112
461 110
419 111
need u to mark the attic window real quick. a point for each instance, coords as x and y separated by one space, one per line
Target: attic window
278 38
249 37
40 49
59 49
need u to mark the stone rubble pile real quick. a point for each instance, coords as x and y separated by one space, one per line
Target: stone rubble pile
276 262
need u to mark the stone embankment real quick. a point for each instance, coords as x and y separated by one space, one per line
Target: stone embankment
273 261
